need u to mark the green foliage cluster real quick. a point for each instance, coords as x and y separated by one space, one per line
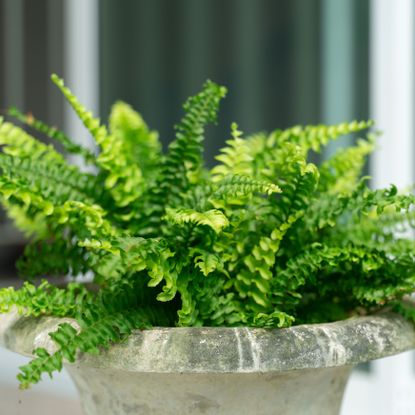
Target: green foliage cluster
264 239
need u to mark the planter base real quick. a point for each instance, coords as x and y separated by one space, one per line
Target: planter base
221 371
311 392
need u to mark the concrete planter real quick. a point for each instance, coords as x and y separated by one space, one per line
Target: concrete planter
226 371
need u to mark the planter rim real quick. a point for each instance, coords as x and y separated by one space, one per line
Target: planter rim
228 349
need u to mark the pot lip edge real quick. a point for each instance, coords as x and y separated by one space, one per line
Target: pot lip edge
384 319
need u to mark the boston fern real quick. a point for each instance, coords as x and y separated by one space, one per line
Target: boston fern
264 239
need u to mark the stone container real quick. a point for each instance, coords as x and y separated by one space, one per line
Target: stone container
221 371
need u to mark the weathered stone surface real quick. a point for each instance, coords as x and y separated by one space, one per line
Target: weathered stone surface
235 350
300 392
298 370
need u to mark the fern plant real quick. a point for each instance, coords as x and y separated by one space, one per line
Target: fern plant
264 239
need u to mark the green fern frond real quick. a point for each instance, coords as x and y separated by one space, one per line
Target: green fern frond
319 263
88 220
381 228
16 142
184 159
236 158
98 131
209 304
298 190
264 150
139 144
341 173
108 330
181 167
57 182
208 262
53 133
275 319
233 187
45 299
156 258
306 266
129 156
32 225
15 192
213 218
253 281
123 176
314 137
134 254
328 210
105 318
188 313
45 259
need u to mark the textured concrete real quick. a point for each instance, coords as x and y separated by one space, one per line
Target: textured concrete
300 370
302 392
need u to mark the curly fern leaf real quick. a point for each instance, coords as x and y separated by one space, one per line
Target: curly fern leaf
275 319
213 218
35 177
135 254
208 262
208 304
118 156
188 313
253 280
385 229
88 220
14 192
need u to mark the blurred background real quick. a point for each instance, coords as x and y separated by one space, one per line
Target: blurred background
284 62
